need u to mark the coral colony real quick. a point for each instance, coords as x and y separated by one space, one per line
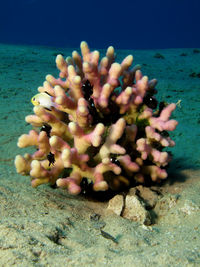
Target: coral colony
99 122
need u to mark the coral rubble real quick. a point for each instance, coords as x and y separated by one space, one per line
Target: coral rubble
102 124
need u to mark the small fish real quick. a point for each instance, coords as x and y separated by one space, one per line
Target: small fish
51 159
108 236
43 99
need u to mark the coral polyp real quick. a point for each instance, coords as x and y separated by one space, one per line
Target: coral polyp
99 121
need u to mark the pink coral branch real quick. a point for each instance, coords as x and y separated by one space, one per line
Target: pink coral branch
30 139
71 183
162 122
128 164
47 87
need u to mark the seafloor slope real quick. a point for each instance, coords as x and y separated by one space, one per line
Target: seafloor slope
49 227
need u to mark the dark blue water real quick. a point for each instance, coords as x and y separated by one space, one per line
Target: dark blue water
124 24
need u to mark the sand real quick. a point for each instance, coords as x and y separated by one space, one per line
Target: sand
49 227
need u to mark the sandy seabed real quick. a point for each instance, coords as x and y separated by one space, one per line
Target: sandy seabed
49 227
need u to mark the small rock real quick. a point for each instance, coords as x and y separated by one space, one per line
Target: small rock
116 204
183 55
166 203
189 207
135 209
158 55
196 51
193 74
148 196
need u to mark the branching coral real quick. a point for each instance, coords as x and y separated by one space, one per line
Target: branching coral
103 124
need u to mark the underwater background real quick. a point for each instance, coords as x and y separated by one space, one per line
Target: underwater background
124 24
48 227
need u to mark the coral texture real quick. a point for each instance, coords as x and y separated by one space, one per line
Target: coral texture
103 125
